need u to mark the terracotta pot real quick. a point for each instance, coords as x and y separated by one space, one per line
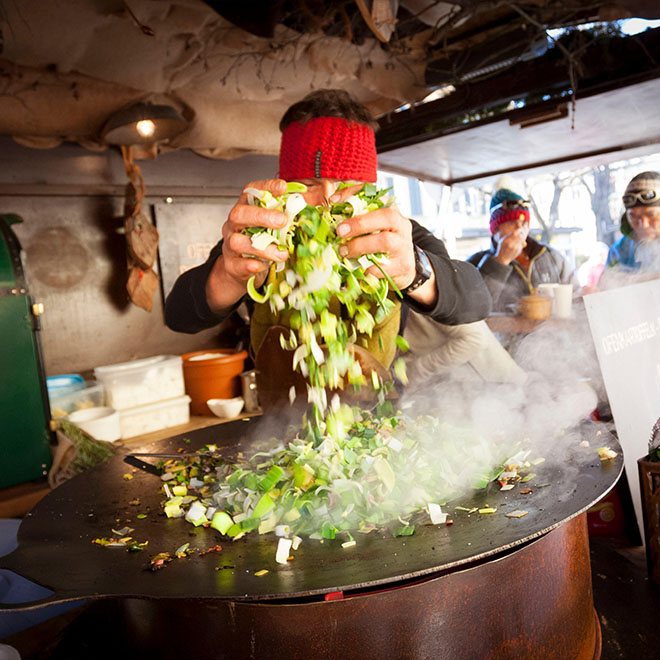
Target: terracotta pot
535 307
212 374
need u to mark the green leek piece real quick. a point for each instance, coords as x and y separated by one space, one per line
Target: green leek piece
302 478
389 280
295 187
255 295
272 477
221 521
400 370
328 531
264 506
481 481
385 473
251 481
234 530
291 515
249 524
401 343
404 530
172 510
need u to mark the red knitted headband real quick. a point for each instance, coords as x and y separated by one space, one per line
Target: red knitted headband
507 215
328 148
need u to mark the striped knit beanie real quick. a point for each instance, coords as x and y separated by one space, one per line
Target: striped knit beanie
328 148
499 214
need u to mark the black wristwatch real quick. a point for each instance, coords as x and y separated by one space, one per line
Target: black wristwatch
423 271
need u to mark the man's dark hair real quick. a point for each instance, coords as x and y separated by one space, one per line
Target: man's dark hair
328 103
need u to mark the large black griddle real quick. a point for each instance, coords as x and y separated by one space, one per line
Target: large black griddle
55 546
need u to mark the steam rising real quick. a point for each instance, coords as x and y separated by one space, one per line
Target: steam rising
452 438
543 414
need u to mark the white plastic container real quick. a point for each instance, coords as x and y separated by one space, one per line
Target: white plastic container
101 422
154 416
92 395
139 382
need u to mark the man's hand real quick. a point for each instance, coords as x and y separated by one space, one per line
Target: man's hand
509 247
383 230
240 260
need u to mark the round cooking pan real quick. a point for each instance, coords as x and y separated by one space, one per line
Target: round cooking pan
548 547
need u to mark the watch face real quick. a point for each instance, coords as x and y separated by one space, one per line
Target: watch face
424 264
423 270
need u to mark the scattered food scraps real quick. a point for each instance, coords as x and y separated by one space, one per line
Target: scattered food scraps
606 454
214 548
516 514
158 561
127 542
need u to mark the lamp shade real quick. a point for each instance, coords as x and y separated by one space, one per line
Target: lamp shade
143 123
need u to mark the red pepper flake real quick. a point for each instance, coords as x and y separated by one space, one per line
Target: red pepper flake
215 548
526 491
449 522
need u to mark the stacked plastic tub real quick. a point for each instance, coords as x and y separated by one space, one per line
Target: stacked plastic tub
148 393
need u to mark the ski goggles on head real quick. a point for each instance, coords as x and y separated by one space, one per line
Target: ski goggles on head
508 204
646 197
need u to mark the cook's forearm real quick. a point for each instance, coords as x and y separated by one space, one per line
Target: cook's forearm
427 293
222 291
186 307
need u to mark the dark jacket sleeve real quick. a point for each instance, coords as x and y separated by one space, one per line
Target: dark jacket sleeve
186 309
462 294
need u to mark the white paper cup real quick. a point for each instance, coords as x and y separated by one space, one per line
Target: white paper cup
563 300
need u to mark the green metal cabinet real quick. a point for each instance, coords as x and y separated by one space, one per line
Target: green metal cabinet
24 416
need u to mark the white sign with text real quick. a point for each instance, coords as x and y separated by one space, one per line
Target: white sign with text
625 326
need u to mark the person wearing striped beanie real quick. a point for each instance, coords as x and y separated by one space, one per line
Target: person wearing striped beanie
638 249
515 264
328 138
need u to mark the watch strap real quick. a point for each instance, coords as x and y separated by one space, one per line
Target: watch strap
422 271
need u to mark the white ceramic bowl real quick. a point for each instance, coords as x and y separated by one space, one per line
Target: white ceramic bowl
101 422
226 408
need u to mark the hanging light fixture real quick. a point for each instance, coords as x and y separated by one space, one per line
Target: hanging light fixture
143 123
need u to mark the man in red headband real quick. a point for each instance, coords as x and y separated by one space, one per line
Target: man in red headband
327 138
516 264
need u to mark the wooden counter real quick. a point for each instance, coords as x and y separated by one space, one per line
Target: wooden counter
516 324
16 501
